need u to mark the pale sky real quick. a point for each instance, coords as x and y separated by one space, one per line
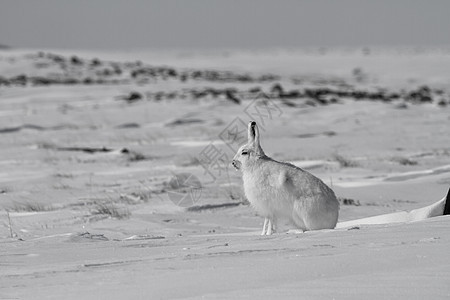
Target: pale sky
131 24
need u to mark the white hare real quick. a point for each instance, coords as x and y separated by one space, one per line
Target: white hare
279 190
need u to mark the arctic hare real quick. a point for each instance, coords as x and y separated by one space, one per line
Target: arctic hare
281 190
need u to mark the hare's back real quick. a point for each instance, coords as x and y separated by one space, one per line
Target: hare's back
306 183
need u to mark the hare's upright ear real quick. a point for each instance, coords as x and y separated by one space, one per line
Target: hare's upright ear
253 137
252 128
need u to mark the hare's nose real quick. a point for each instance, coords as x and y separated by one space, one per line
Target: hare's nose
235 164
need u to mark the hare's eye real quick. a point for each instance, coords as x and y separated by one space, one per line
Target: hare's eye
245 152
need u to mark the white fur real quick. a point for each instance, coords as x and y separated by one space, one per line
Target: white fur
279 190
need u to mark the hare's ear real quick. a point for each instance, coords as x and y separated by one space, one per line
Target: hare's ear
252 132
253 137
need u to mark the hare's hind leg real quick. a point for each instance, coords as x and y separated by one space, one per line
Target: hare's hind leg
297 217
269 227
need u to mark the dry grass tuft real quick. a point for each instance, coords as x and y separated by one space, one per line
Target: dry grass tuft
404 161
110 210
345 162
29 207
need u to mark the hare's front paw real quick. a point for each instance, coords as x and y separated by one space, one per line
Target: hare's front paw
267 227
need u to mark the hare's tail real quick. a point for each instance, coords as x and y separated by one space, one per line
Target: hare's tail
439 208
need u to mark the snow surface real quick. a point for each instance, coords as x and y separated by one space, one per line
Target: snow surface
57 240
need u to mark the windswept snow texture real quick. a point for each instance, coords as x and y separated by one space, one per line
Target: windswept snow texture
97 149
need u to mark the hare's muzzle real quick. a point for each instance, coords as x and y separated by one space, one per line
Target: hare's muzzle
236 164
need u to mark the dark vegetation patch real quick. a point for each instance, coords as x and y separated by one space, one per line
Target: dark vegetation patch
199 208
74 70
131 155
185 121
230 94
87 236
133 97
134 155
404 161
348 201
128 126
36 127
327 95
69 70
311 135
90 150
310 96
